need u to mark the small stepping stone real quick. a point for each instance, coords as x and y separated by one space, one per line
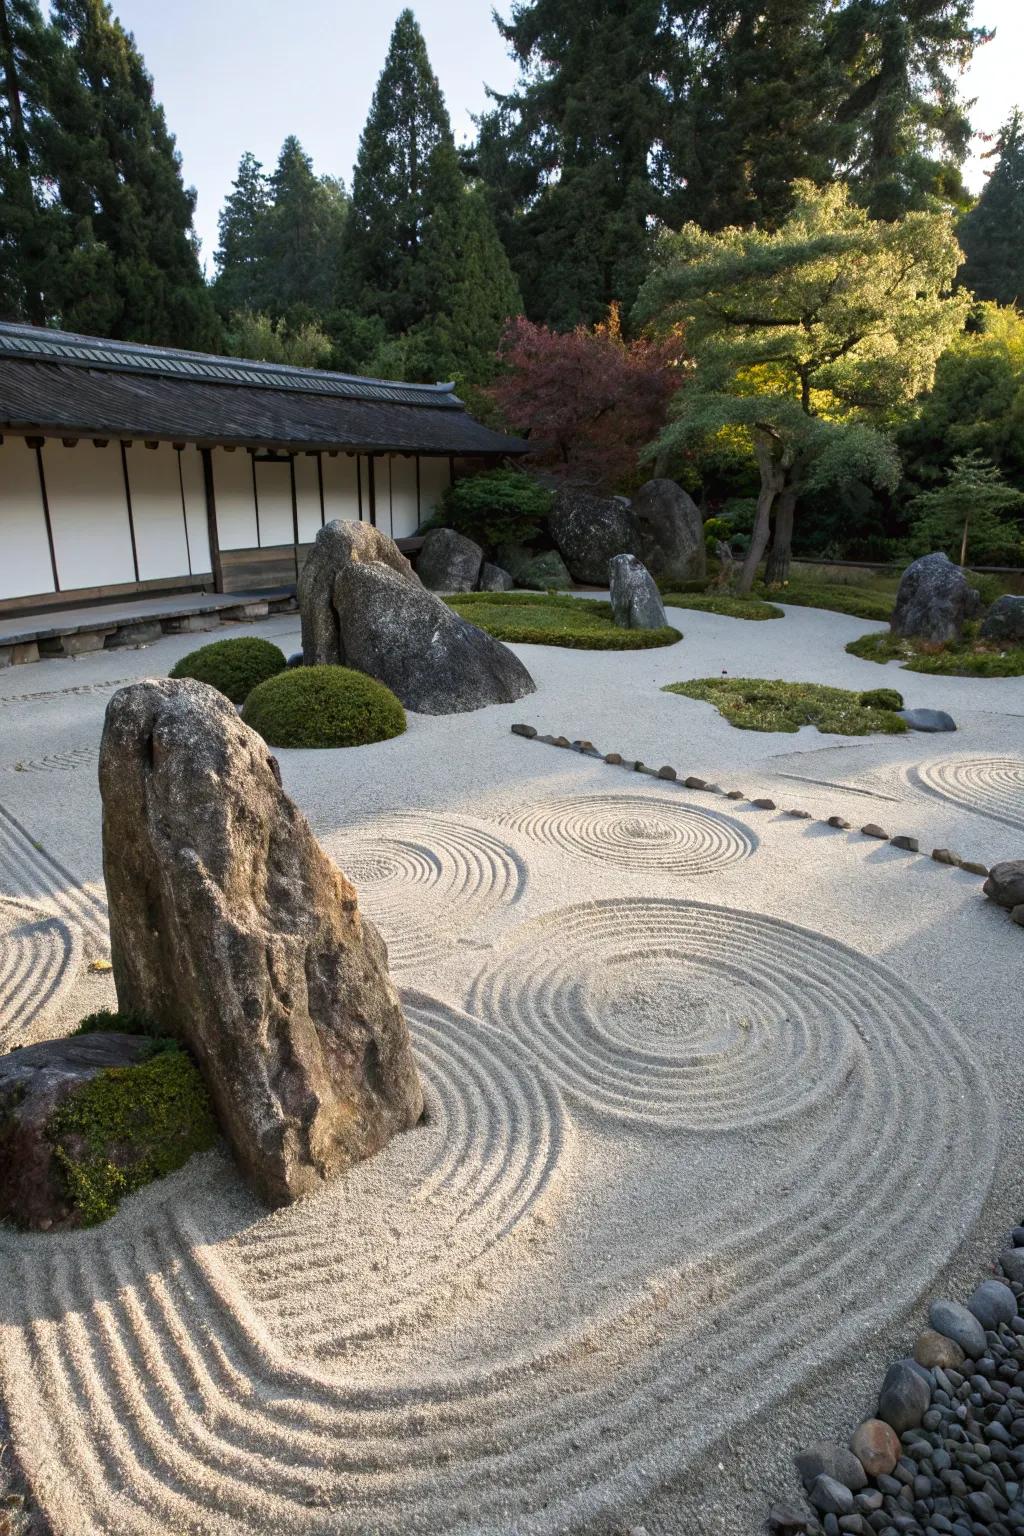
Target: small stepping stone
764 804
839 821
975 869
529 731
713 789
928 719
615 758
872 829
561 741
667 772
799 815
946 856
911 844
694 783
735 794
548 740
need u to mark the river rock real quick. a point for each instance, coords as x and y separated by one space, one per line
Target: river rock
409 639
835 1461
905 1395
671 532
935 1349
993 1303
933 601
930 720
876 1446
636 601
34 1082
831 1497
1005 620
449 562
1005 883
337 546
588 530
1011 1262
960 1325
494 579
233 931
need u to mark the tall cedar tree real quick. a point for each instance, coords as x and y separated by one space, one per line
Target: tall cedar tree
301 236
27 226
130 268
992 234
238 258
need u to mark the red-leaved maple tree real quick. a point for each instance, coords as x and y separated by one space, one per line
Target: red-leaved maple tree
588 400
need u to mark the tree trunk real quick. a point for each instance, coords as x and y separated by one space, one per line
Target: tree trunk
777 569
773 477
963 546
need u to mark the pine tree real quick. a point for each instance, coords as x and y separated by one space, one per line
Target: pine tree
130 268
27 225
992 234
408 120
240 226
300 238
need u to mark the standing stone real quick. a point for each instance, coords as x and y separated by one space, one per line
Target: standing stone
449 562
232 930
494 579
933 601
671 532
1005 620
1005 883
589 530
338 545
636 601
546 572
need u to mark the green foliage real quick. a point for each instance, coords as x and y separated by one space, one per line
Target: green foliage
254 335
128 1126
106 1020
723 603
233 666
881 698
323 707
838 597
969 658
755 704
500 506
579 623
992 234
969 516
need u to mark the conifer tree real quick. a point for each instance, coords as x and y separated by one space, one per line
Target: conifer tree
240 225
130 267
992 234
300 237
27 226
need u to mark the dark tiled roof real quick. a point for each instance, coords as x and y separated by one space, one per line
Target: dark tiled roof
52 381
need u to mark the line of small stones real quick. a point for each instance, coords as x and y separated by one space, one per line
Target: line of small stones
668 774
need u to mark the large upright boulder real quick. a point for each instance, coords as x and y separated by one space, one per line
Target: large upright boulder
1004 621
233 931
449 562
636 601
933 601
436 662
337 545
588 530
671 532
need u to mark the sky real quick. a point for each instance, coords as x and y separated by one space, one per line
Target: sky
238 75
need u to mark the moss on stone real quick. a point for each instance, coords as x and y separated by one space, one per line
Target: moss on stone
128 1126
323 707
233 667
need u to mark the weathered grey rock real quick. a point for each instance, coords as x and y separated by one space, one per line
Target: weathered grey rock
232 930
544 573
1005 883
993 1303
872 829
494 579
436 662
827 1460
449 562
958 1324
671 532
1005 620
337 546
529 731
589 530
932 720
1011 1261
296 659
936 1349
636 601
830 1496
34 1082
933 601
905 1396
905 841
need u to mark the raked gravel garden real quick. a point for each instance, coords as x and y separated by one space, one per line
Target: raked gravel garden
724 1109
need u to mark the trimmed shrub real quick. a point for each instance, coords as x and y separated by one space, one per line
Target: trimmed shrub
501 506
323 707
881 698
234 667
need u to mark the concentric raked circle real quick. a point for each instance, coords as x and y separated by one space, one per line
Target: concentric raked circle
992 786
425 1210
38 955
424 879
691 1016
638 832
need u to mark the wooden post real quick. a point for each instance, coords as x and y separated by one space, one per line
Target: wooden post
295 514
46 513
211 520
128 499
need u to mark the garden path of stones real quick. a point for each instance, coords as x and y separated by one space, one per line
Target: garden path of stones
721 1101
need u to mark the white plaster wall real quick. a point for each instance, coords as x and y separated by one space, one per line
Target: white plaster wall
24 548
307 497
435 478
274 500
235 502
193 491
157 512
88 514
404 502
341 488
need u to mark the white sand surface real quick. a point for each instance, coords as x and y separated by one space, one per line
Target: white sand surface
717 1099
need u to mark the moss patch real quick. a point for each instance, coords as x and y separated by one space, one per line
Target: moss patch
757 704
234 667
724 603
970 658
323 707
127 1127
105 1019
861 602
881 698
577 622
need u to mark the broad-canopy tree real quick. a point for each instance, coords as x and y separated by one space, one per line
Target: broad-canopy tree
992 234
812 338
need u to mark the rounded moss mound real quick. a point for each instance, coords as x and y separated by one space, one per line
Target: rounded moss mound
235 667
881 698
323 707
